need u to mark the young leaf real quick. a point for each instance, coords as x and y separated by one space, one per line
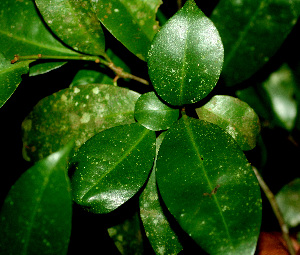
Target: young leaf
10 77
158 230
154 114
288 199
131 22
186 57
77 113
37 213
208 185
112 166
234 116
75 23
22 31
252 31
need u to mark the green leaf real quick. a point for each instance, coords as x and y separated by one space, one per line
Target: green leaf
252 31
112 166
38 68
235 117
158 230
37 213
76 114
75 23
288 199
131 22
154 114
186 57
10 77
22 31
208 185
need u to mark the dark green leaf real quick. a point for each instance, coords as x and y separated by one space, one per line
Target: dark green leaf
22 31
252 31
10 77
186 57
112 166
37 213
158 230
154 114
208 185
76 113
131 22
234 116
75 23
40 68
288 199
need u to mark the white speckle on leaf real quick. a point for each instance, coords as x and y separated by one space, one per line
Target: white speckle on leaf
85 118
96 90
76 90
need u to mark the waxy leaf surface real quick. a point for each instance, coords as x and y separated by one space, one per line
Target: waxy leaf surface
252 31
36 216
77 113
234 116
186 57
131 22
157 227
10 77
153 114
112 166
75 23
208 185
23 32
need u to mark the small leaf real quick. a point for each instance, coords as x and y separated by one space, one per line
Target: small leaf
234 116
23 32
186 57
37 213
10 77
208 185
131 22
154 114
112 166
76 114
252 31
75 23
38 68
288 199
158 230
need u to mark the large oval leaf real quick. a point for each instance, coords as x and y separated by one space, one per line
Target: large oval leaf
10 77
77 113
234 116
208 185
252 31
23 32
186 57
75 23
112 166
131 22
152 113
36 216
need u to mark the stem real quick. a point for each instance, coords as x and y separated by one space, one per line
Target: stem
107 62
179 4
270 196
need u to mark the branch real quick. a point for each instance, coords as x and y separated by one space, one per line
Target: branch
270 196
120 73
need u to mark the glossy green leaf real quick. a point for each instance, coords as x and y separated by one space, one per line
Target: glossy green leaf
234 116
10 77
208 185
252 31
112 166
288 199
274 99
41 68
158 230
153 113
186 57
131 22
37 213
77 113
22 31
75 23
